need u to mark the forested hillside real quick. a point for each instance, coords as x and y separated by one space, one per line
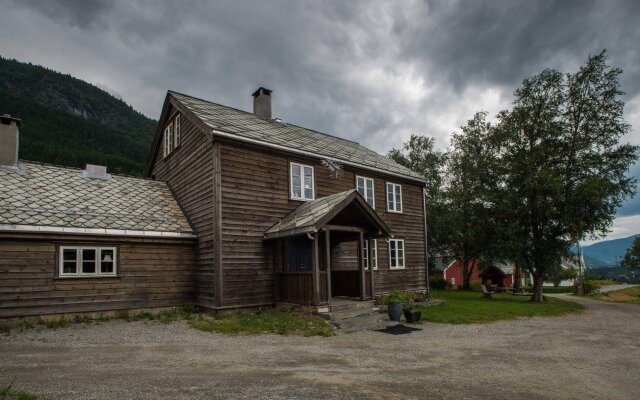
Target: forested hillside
70 122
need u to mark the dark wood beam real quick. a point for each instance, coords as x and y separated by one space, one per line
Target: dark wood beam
370 255
327 249
217 225
361 265
316 271
344 228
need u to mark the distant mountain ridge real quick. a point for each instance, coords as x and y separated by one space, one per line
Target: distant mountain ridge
67 121
607 253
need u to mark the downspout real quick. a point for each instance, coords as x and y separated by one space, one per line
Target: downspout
426 245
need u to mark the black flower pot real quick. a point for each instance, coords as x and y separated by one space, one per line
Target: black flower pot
412 316
395 311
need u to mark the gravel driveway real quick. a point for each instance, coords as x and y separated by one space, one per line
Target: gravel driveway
593 355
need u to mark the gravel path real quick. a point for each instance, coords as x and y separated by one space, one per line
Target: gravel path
592 355
612 288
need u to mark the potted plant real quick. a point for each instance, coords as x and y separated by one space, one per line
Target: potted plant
412 315
397 301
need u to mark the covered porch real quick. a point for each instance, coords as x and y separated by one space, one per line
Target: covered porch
322 248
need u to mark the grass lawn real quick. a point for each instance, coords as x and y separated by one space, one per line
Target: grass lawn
282 321
628 295
463 307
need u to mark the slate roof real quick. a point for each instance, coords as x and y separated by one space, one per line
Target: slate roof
247 125
53 196
306 215
305 218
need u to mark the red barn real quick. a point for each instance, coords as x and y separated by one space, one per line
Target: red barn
452 274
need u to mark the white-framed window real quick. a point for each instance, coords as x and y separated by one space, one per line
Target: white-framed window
374 243
82 261
396 253
168 139
394 197
365 188
176 135
302 182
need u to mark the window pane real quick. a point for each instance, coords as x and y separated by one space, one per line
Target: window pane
295 170
366 254
69 257
390 197
106 261
88 261
398 199
308 183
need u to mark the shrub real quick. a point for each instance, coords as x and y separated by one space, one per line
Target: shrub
475 285
437 283
588 286
398 296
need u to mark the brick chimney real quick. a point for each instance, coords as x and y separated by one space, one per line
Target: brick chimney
9 140
262 103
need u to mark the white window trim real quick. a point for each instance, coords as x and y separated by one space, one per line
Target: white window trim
177 138
404 254
373 189
79 273
375 254
386 195
313 182
168 139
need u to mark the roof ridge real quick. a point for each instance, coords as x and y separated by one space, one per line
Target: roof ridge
270 121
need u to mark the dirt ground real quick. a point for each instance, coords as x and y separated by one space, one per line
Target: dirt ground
593 355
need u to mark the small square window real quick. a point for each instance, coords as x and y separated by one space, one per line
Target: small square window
69 261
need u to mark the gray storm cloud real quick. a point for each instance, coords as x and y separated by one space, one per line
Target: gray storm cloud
373 71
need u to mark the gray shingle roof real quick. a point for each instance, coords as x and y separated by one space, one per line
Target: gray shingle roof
307 214
47 195
246 125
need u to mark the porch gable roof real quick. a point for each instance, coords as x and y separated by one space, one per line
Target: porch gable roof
316 214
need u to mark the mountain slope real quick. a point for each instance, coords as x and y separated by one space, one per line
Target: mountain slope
67 121
609 252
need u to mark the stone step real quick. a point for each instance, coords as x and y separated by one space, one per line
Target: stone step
352 306
342 315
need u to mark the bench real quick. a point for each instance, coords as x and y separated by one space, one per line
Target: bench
486 293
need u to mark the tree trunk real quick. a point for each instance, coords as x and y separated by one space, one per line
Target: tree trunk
466 275
537 288
516 277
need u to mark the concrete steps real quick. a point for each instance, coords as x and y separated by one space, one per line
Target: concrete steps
348 310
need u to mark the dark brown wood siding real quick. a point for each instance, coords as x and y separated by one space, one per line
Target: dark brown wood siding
255 194
188 170
151 273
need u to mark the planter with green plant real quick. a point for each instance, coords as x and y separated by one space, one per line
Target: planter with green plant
412 315
397 301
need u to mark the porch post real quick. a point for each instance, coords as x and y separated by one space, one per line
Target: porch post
327 249
316 271
361 265
370 256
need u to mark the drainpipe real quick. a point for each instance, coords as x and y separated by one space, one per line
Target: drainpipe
426 245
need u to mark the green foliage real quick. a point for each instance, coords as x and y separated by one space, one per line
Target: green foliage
19 394
475 285
588 286
563 169
464 307
273 321
69 122
437 283
403 297
632 256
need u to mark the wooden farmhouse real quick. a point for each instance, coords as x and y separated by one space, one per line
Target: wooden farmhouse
236 209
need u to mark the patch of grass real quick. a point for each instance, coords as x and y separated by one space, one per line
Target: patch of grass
273 321
4 329
551 289
464 307
627 295
602 282
8 391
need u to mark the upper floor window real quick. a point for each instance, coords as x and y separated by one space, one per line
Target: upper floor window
168 139
394 197
396 253
301 179
374 244
177 130
87 261
365 188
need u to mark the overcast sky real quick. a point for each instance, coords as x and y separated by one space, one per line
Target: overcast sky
373 72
